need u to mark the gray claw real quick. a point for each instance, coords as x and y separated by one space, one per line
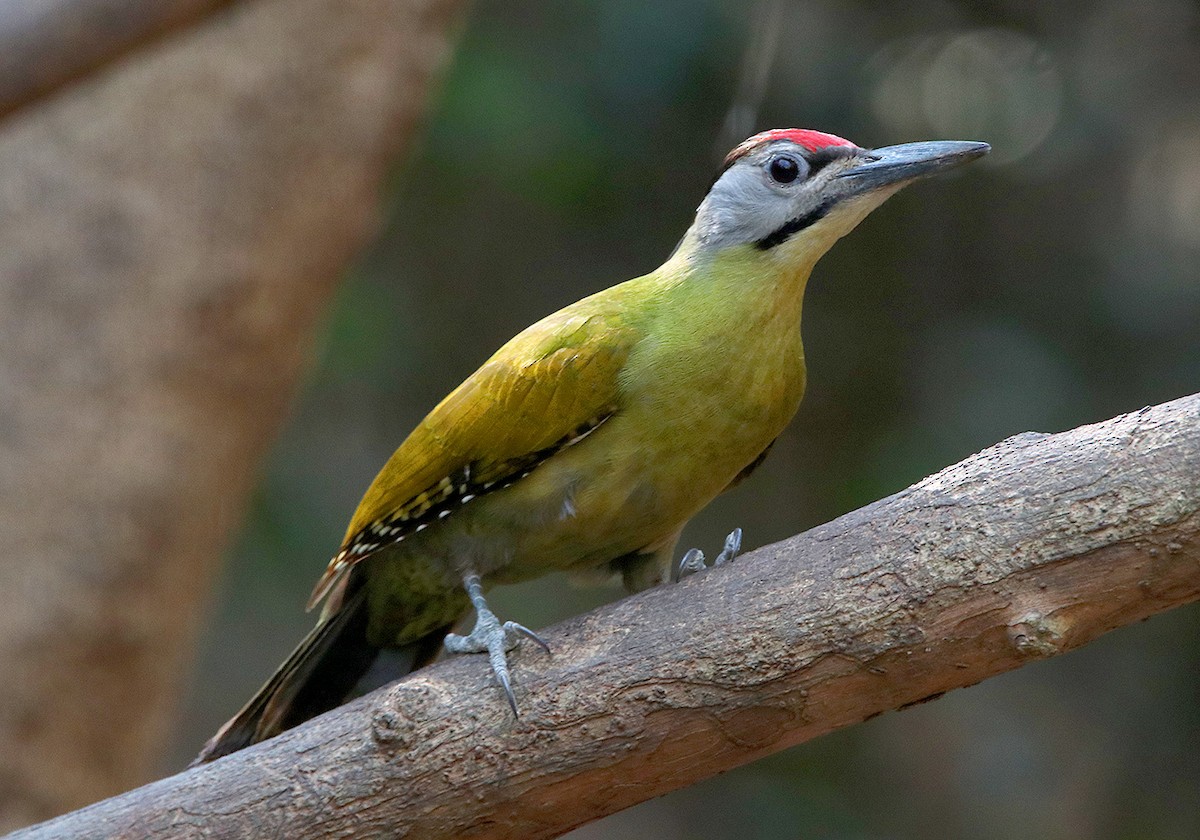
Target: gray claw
733 545
491 637
502 676
512 627
693 560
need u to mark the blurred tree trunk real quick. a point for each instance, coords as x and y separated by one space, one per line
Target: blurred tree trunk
173 229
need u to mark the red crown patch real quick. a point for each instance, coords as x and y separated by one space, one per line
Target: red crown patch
803 137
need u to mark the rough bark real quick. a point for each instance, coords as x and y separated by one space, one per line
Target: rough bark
45 44
1026 550
173 230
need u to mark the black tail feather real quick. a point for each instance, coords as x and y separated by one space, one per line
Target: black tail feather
318 675
333 663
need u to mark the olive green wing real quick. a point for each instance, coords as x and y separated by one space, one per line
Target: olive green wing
545 390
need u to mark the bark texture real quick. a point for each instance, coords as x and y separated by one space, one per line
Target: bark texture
1024 551
173 230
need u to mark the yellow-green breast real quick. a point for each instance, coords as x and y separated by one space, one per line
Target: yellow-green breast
693 370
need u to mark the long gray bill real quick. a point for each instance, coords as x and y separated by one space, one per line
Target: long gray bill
893 164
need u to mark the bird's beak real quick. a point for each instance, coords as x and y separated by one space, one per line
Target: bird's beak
901 164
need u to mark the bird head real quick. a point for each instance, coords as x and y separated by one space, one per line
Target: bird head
793 192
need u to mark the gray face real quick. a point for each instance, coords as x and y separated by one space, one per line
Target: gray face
780 188
772 193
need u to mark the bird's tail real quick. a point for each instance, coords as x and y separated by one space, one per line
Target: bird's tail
322 672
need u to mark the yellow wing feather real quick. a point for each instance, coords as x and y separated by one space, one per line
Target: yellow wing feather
547 388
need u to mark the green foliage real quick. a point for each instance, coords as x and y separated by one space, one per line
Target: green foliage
565 152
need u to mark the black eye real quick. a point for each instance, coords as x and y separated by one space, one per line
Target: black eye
784 170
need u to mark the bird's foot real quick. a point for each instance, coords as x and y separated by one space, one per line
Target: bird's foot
491 637
693 560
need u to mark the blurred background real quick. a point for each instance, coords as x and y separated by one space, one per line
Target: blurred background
1057 283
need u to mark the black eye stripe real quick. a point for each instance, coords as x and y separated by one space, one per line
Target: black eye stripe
821 158
792 226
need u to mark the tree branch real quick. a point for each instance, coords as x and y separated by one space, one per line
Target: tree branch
1026 550
44 45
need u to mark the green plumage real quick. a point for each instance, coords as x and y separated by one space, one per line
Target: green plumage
690 372
590 439
693 377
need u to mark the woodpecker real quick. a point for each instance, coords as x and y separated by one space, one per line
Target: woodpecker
589 440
